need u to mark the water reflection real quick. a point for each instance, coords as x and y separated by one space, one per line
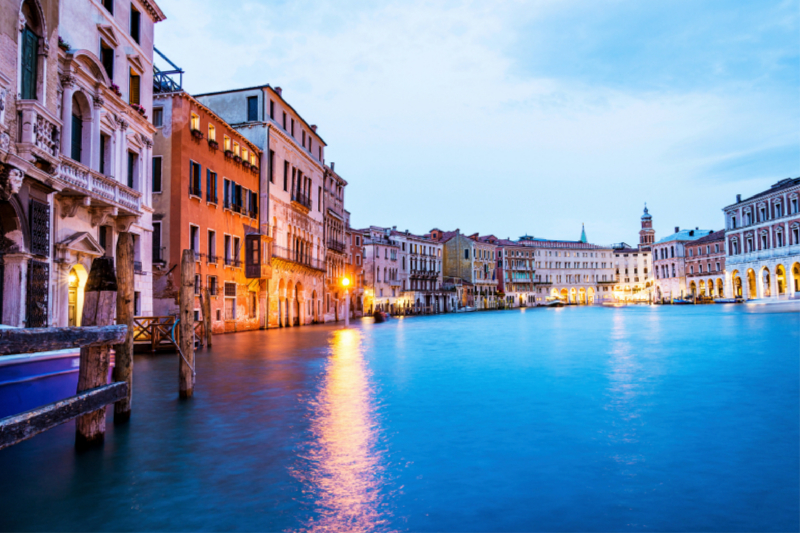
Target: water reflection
343 469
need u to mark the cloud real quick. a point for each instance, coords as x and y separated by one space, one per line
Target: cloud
518 117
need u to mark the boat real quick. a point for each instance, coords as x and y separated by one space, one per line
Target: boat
614 304
728 301
553 303
682 302
380 316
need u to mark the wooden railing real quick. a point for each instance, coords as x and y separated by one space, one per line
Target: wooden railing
156 332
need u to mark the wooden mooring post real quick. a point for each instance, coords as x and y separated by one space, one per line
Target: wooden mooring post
186 362
99 309
123 360
207 316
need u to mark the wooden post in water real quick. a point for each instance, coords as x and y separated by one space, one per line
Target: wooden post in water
207 316
123 360
186 355
99 309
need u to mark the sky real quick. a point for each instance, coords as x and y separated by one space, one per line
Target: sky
521 117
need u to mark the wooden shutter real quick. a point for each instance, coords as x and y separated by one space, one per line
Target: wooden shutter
30 44
134 88
77 138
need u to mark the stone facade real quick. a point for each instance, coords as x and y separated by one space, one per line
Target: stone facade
669 264
291 186
763 243
76 168
705 266
472 260
335 257
354 268
516 272
383 278
207 202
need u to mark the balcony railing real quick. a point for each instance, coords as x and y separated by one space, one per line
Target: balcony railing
301 199
211 259
39 130
336 245
232 262
83 180
195 191
294 256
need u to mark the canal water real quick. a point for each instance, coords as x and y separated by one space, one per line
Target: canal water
574 419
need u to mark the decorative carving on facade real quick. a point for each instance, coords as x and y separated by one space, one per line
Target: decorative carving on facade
100 215
71 204
10 181
98 102
67 81
5 141
124 223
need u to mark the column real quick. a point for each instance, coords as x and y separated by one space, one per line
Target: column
122 153
290 312
15 286
94 145
68 85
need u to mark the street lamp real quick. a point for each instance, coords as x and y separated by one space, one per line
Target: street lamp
346 284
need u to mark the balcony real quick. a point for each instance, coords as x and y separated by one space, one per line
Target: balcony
233 263
336 246
80 180
762 255
40 132
211 259
293 256
301 200
195 191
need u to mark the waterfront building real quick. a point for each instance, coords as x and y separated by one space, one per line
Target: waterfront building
423 287
516 272
763 242
575 272
206 199
669 263
354 268
292 180
633 267
76 84
334 238
472 260
705 266
382 281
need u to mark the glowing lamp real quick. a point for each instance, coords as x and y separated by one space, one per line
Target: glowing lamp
72 278
345 282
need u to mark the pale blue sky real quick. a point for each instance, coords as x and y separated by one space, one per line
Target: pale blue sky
521 117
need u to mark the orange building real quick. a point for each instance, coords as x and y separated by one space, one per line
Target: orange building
206 198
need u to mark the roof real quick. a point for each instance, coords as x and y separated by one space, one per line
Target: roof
646 215
686 235
276 93
716 236
781 185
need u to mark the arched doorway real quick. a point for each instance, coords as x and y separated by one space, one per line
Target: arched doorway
751 284
693 288
281 303
780 277
573 295
582 296
590 295
73 320
702 288
564 296
315 318
796 276
766 282
737 284
720 288
298 304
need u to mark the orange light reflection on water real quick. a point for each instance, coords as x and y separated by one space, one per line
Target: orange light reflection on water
345 465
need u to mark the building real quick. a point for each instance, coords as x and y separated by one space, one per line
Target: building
633 267
334 233
354 268
763 243
206 199
669 264
291 186
76 84
574 272
516 272
382 282
421 275
472 260
705 266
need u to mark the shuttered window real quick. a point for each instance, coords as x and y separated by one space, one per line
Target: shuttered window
131 166
30 44
135 87
157 174
77 138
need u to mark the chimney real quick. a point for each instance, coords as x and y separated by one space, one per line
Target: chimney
738 198
333 165
677 229
314 127
394 228
279 91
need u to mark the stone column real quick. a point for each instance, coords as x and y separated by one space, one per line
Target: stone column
122 153
290 312
15 286
68 85
94 145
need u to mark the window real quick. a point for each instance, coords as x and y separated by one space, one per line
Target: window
211 283
245 155
284 121
30 60
285 175
157 242
304 138
103 155
319 198
272 110
131 169
212 246
107 58
253 298
76 147
194 179
466 253
194 123
157 173
272 166
137 303
109 5
236 150
136 23
211 186
230 301
718 269
158 117
212 133
796 234
134 87
236 248
292 127
194 240
794 205
252 108
227 250
226 143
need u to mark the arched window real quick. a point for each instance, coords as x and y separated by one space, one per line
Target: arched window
81 128
30 41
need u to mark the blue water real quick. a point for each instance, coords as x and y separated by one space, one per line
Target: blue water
575 419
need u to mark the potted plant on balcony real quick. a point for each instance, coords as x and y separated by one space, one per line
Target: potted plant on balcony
64 45
140 109
246 163
228 153
197 134
213 144
237 158
115 88
254 168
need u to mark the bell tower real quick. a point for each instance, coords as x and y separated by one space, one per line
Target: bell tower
647 235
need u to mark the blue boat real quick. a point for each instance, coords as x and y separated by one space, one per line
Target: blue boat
30 380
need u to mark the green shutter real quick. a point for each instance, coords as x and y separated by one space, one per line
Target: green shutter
30 44
77 138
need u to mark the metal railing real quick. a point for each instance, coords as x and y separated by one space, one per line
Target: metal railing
336 245
211 259
233 262
301 199
295 256
195 191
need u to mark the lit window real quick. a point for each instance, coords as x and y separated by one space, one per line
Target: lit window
236 148
227 143
195 122
245 154
212 133
134 87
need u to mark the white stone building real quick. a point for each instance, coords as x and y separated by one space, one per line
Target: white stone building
763 243
669 264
